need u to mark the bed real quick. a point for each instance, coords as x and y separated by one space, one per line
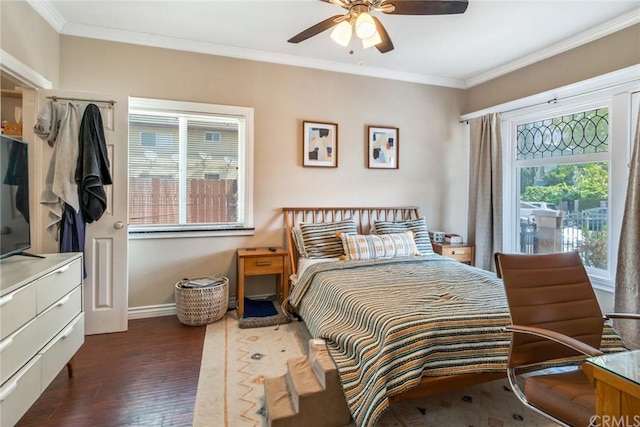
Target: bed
397 327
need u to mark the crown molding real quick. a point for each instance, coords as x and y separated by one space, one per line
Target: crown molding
132 37
22 72
602 30
49 13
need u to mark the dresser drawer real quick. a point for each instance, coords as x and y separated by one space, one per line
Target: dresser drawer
29 339
16 309
60 314
60 349
18 347
58 283
20 392
263 265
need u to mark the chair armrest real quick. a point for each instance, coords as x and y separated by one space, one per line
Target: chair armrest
622 316
558 337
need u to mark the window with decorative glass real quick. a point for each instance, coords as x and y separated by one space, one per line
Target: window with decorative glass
562 172
178 179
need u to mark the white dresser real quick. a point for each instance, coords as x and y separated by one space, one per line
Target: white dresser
41 326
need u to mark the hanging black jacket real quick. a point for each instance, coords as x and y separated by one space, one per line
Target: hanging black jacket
92 171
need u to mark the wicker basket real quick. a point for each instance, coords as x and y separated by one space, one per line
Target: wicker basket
201 305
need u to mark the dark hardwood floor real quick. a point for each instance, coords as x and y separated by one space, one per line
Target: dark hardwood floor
147 376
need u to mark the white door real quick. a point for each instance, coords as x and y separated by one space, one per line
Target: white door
106 244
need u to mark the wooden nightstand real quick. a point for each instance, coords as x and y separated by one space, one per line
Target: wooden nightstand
258 262
462 252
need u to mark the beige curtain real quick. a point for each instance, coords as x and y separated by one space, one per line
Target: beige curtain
485 189
627 291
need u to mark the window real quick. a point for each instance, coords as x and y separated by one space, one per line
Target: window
212 136
154 139
561 163
565 179
178 180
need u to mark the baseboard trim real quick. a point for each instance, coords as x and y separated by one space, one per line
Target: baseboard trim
146 311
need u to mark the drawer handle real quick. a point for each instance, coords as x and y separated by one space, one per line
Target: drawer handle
6 343
67 332
459 252
63 301
263 263
5 300
63 268
8 389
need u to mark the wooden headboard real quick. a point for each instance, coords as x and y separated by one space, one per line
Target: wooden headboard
364 218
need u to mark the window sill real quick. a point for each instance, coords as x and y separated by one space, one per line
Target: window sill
187 234
602 283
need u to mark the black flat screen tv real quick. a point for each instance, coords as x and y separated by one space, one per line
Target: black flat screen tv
15 236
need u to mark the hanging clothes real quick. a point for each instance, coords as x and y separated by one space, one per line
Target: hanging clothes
72 233
48 122
92 172
60 185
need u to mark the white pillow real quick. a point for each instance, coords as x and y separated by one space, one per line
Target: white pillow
418 226
372 246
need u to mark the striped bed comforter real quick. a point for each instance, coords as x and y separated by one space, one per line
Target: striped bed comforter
389 322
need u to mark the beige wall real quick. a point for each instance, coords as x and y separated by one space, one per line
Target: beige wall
432 145
29 38
610 53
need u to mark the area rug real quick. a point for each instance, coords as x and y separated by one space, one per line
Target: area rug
235 362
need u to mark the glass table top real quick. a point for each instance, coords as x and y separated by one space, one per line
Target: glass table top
625 364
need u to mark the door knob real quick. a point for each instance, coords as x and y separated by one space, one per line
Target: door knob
118 225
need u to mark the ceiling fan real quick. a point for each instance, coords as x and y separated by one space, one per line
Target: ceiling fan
369 28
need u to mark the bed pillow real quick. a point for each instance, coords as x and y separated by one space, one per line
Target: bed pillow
296 236
418 226
372 246
319 239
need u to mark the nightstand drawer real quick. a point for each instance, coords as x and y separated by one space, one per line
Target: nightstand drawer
263 265
459 252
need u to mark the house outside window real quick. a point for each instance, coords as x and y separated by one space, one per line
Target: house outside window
565 178
178 180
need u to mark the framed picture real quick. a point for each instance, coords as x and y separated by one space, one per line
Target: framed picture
320 144
383 147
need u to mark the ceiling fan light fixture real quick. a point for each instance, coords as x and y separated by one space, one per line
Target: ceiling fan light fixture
341 34
365 26
371 41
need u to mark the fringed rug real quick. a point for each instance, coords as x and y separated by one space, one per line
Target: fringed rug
235 362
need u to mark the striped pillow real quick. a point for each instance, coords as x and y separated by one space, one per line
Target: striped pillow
371 246
319 239
418 226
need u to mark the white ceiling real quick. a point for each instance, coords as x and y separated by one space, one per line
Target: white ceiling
491 38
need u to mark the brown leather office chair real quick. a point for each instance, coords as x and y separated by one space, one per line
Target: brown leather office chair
554 315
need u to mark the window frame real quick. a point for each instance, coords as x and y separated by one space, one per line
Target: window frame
245 169
618 100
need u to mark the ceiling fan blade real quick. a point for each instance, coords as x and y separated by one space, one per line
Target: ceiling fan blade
317 29
337 3
427 7
386 44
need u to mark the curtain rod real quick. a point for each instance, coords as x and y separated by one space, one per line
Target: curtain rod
111 102
551 101
627 76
